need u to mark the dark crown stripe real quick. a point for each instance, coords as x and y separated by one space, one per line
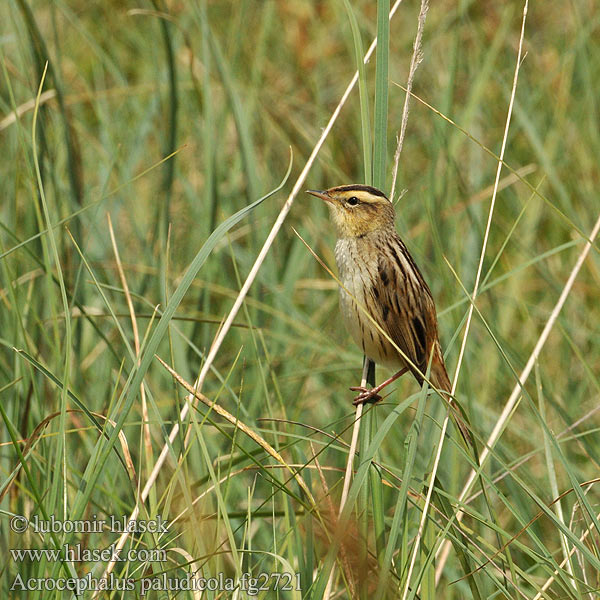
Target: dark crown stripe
357 187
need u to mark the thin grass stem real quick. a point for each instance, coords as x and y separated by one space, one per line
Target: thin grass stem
471 308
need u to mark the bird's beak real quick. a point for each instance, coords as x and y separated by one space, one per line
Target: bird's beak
322 195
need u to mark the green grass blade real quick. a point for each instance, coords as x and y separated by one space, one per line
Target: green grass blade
381 94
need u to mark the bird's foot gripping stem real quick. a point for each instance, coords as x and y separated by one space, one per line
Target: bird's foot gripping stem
366 396
371 396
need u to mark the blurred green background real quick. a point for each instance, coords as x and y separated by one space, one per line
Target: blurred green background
225 89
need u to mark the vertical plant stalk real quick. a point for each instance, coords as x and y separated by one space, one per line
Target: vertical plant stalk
190 400
381 94
380 124
469 314
415 61
363 506
171 121
350 463
209 162
375 478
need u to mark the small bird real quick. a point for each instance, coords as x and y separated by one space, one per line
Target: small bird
382 285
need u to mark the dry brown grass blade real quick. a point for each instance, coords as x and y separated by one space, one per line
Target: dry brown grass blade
136 339
476 198
240 425
16 114
37 432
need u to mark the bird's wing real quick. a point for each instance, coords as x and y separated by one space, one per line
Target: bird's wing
403 305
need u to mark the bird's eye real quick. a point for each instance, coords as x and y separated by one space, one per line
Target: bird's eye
353 201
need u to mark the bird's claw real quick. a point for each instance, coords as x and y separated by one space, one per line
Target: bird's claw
366 396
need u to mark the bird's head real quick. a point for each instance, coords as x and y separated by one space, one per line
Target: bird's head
357 210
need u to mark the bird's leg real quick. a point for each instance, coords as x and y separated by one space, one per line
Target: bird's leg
372 395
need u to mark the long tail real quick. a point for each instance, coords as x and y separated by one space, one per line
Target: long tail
440 379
